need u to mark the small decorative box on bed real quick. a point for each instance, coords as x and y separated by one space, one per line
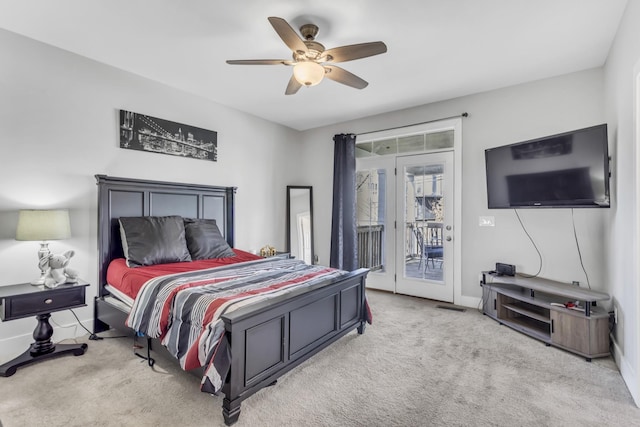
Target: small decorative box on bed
168 269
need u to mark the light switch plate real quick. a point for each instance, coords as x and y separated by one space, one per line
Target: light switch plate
487 221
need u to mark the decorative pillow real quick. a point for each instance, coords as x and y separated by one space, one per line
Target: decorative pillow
204 239
149 240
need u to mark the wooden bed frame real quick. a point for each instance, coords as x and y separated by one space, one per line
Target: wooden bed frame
267 339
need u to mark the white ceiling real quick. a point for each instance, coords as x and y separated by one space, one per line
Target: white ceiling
437 49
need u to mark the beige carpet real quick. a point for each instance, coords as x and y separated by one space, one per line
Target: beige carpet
418 365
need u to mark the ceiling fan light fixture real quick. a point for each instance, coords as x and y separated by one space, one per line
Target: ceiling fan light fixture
311 61
308 73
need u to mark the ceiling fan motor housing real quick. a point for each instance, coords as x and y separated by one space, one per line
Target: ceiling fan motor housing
309 31
313 53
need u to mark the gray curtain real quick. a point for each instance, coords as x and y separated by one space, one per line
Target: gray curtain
344 240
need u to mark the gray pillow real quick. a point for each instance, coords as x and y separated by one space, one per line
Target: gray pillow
204 239
149 240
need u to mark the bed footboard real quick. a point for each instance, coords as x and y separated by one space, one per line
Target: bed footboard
270 339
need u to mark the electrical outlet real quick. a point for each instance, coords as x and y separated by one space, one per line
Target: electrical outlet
487 221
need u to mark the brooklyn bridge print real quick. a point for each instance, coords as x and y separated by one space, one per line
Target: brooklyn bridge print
146 133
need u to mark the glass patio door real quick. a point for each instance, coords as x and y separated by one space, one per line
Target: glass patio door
424 232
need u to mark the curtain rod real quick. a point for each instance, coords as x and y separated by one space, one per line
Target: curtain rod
465 114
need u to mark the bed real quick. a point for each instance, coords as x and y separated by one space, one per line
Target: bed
264 339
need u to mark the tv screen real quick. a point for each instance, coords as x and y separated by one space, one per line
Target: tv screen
568 170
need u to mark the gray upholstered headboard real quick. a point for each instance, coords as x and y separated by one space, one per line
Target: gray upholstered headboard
135 197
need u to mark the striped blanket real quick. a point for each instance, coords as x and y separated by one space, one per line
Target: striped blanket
184 310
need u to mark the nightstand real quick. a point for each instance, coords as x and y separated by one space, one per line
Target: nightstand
24 300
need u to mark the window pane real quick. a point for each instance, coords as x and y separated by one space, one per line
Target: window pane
418 143
410 144
423 222
371 207
384 147
364 149
439 140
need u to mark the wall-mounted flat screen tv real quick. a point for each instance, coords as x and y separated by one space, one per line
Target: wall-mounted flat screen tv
567 170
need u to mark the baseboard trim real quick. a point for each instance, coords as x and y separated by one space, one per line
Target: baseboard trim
466 301
629 375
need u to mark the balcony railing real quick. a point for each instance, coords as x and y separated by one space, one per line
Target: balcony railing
371 242
371 246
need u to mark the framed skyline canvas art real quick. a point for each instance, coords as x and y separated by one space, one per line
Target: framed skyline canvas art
147 133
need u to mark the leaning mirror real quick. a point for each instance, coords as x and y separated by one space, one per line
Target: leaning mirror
300 223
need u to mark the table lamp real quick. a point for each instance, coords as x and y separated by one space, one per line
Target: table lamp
43 225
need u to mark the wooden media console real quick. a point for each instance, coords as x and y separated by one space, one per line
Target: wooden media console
536 307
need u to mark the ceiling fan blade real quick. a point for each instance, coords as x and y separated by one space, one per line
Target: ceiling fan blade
259 62
354 51
293 86
343 76
288 35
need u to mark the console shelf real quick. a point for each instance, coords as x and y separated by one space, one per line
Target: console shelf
529 305
522 309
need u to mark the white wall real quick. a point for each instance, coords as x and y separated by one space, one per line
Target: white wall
495 118
620 78
59 127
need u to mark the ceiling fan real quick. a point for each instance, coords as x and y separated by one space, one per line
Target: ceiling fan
311 62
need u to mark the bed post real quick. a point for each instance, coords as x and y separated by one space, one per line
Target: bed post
361 327
363 305
231 216
230 411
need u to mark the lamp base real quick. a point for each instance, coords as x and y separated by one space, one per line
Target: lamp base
43 263
39 281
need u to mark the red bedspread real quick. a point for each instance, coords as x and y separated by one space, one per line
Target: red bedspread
129 280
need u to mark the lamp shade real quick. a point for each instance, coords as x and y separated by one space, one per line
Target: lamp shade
43 225
308 73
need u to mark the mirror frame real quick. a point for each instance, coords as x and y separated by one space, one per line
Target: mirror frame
288 224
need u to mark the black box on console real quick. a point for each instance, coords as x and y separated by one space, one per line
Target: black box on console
505 269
